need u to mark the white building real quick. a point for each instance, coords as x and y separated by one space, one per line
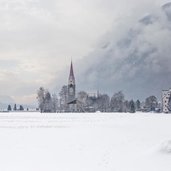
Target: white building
166 99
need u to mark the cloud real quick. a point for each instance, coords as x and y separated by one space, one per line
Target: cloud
39 37
135 59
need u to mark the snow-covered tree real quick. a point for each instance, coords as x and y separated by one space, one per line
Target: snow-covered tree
94 103
82 98
15 107
103 103
9 108
54 103
117 102
126 106
21 108
41 98
132 106
47 102
151 103
63 98
138 105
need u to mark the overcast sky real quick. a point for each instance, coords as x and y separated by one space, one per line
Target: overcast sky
39 37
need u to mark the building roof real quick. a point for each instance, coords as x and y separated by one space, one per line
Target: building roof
71 75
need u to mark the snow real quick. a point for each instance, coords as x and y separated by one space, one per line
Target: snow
166 146
85 142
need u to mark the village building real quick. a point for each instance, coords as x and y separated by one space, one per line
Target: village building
166 100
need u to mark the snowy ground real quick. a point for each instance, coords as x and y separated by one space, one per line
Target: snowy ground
85 142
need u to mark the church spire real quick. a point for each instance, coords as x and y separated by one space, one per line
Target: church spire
71 70
71 75
71 86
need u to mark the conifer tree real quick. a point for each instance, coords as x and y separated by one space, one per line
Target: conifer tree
21 107
138 105
132 106
9 108
15 107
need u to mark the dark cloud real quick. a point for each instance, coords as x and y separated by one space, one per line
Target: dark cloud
137 61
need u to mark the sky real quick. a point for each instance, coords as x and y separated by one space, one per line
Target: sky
102 37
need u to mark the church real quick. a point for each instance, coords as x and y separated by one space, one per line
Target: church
68 101
71 91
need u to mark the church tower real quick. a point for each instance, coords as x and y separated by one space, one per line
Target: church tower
71 85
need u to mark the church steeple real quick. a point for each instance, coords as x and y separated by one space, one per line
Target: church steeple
71 84
71 75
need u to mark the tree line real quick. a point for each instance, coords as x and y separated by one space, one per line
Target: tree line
117 103
20 108
92 103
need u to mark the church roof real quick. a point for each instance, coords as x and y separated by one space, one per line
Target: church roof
71 75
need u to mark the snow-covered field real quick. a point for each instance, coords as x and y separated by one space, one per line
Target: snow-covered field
85 142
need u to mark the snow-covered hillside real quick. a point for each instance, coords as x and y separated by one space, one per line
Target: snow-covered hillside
85 142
